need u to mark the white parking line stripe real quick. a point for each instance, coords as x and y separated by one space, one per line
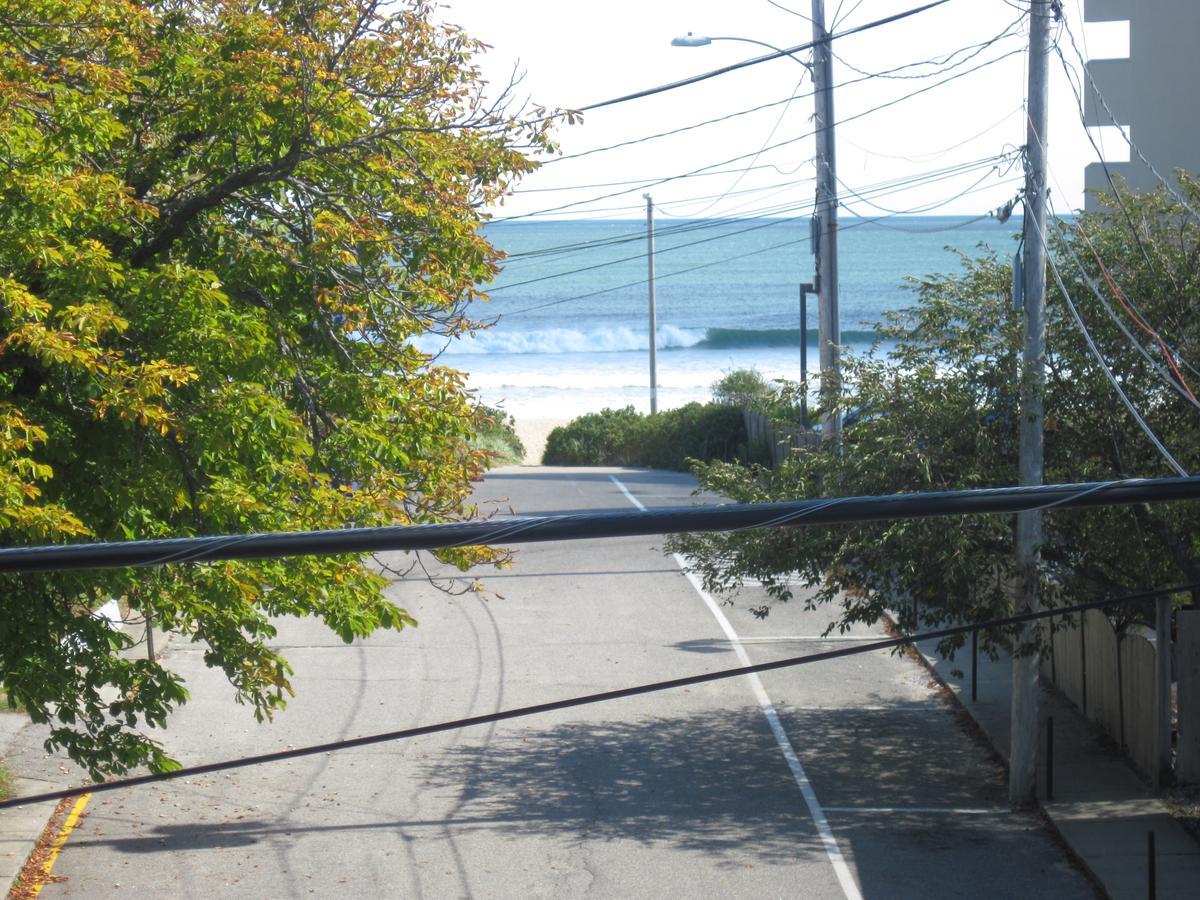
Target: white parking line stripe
832 850
920 810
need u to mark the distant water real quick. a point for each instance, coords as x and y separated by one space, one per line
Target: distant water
570 307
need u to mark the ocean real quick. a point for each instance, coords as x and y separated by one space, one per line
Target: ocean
570 308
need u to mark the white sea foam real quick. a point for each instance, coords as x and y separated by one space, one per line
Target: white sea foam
617 339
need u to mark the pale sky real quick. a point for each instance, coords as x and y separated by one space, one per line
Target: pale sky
573 54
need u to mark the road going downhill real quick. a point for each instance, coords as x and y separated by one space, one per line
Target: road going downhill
843 779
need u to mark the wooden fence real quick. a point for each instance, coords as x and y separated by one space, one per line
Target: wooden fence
778 441
1112 678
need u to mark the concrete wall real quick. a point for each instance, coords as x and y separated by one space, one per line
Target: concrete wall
1154 94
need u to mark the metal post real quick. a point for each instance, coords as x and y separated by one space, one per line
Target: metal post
827 225
1162 711
805 290
1050 757
149 636
1023 751
1151 867
653 307
974 665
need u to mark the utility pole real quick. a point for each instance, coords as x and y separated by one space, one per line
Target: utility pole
653 308
828 326
1023 749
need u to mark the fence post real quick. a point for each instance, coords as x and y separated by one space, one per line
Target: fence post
1187 659
974 665
1162 685
1083 660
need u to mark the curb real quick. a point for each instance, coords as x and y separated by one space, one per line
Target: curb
22 827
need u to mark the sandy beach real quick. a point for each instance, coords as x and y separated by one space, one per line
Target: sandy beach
533 434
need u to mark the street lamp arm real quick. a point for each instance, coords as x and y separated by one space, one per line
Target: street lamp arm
696 40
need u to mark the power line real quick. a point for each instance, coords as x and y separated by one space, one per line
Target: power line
648 92
613 262
1099 357
865 76
589 699
641 282
788 142
1169 352
1179 385
948 61
889 187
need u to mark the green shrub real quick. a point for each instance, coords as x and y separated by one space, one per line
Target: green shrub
778 400
624 437
745 388
605 438
494 432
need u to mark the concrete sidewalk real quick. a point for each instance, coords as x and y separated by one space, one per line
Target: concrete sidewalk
35 771
1102 810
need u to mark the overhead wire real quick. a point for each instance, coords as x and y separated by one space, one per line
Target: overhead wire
778 54
1172 355
886 643
1099 357
864 76
763 147
642 281
948 61
884 188
683 175
1178 383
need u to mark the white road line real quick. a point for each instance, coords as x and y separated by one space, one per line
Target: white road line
920 810
832 850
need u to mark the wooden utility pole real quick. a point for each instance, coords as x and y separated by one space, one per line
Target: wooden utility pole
653 305
828 326
1024 743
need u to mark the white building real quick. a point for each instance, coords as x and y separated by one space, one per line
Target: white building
1154 93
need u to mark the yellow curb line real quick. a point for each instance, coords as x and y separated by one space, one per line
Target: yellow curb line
60 841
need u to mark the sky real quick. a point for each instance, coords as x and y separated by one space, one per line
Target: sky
572 54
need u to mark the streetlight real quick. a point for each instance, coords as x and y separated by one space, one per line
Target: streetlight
700 40
825 232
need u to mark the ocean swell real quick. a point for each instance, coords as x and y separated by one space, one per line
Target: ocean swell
623 339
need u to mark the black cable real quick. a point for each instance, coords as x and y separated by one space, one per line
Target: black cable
580 525
896 185
789 141
862 220
704 76
613 262
589 699
948 61
865 76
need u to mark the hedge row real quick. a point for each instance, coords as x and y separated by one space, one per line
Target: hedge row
667 440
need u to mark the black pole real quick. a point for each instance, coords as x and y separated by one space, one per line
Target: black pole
974 665
1050 757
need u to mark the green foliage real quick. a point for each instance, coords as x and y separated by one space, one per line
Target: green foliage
496 436
605 438
940 412
220 223
778 400
744 388
668 440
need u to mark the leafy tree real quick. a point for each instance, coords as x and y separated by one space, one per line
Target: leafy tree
941 412
220 223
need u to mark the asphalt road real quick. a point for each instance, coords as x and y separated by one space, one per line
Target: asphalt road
835 780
